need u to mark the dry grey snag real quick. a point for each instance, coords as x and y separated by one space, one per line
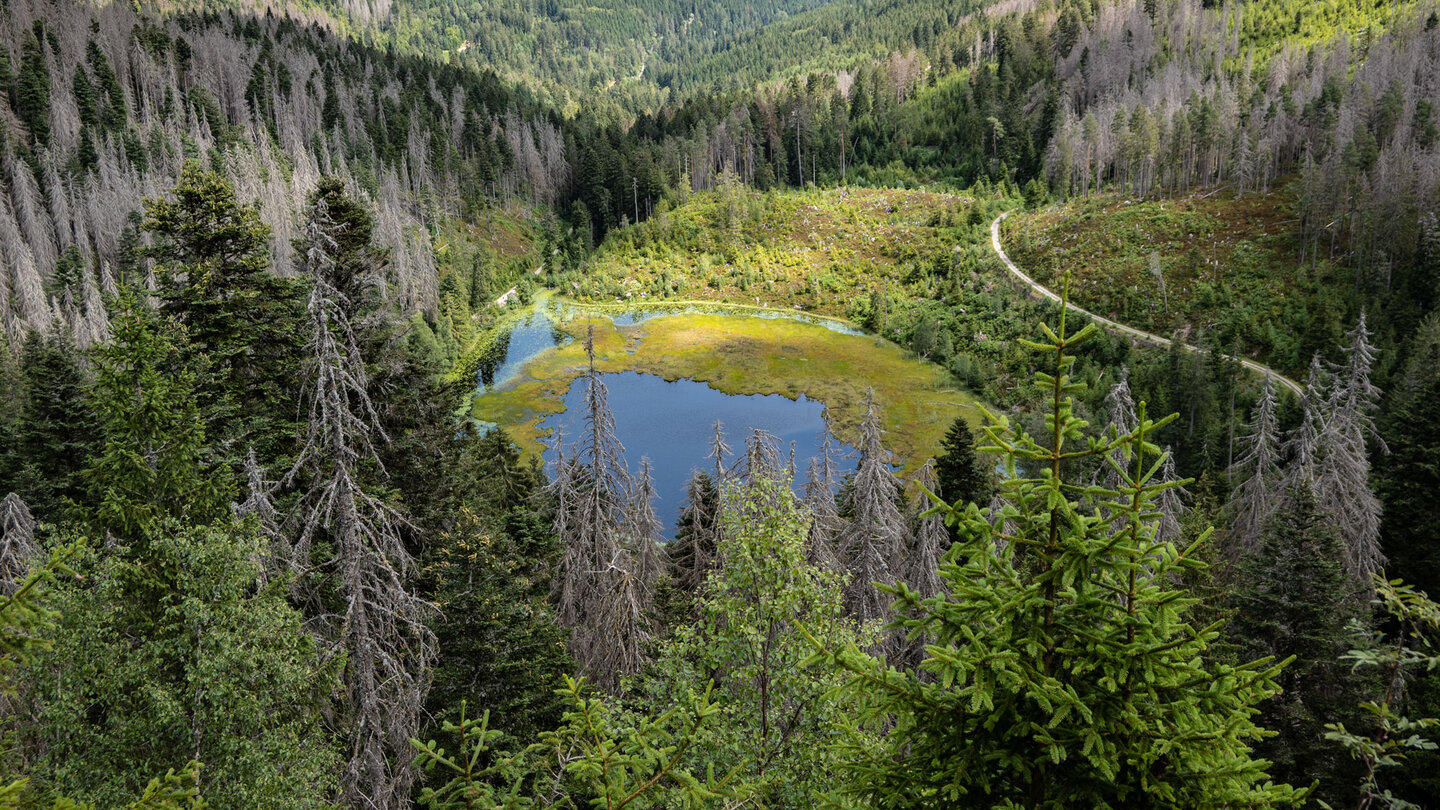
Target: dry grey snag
602 599
1342 480
931 539
257 504
1328 451
873 545
382 632
18 548
642 530
1256 497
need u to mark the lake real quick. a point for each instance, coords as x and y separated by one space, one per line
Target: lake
671 424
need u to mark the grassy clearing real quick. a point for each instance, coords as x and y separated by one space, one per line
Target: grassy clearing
747 355
1227 269
816 250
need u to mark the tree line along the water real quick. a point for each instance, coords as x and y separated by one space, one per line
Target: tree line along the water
254 480
243 250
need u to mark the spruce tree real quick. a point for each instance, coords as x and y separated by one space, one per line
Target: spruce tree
32 93
601 597
154 463
168 648
957 469
18 547
641 529
1409 476
244 323
1293 598
55 433
1342 477
1064 672
825 524
692 554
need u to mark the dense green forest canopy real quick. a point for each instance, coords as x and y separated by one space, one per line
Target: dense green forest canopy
252 551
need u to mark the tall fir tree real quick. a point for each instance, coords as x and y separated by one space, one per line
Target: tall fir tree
958 470
244 323
1293 598
55 433
1064 665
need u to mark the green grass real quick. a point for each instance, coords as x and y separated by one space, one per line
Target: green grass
1230 268
747 355
811 250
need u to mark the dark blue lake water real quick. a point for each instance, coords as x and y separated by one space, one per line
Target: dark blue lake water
671 424
536 332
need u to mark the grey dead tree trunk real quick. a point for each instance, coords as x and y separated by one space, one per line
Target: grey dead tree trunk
601 598
1256 497
1120 407
1342 479
1303 444
921 569
18 548
922 564
280 557
1170 505
388 649
762 459
642 530
873 545
820 499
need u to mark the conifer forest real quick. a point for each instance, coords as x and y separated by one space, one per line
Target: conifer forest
714 404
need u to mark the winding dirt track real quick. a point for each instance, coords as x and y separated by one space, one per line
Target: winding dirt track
1120 328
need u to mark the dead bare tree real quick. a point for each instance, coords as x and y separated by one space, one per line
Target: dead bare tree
642 531
601 599
922 564
279 560
18 548
873 545
381 626
1342 480
1257 494
826 522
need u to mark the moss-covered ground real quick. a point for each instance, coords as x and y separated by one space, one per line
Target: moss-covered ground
821 250
1211 268
737 354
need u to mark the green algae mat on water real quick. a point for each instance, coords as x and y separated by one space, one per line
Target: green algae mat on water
743 354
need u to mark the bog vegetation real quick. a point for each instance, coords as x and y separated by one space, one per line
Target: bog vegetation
252 554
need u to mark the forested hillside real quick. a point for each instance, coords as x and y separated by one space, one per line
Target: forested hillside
290 288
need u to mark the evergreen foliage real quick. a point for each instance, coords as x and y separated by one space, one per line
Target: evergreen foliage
1391 736
1294 599
489 574
55 433
1064 670
780 719
958 470
166 651
153 465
